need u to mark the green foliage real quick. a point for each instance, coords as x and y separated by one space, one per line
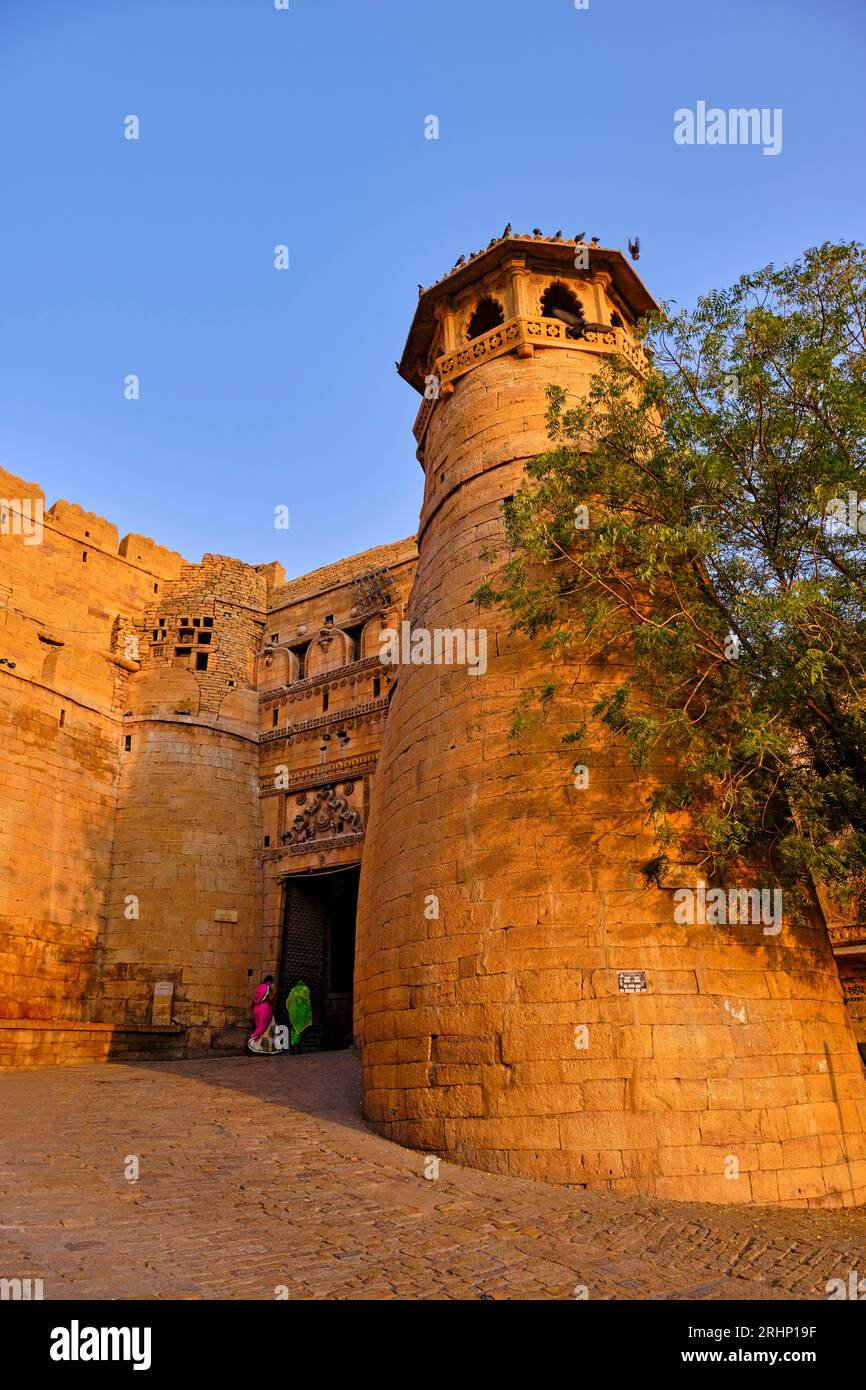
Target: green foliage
575 735
531 709
710 555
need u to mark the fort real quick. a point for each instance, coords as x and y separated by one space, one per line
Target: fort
273 795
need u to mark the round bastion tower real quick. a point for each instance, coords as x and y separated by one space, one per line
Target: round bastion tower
525 1003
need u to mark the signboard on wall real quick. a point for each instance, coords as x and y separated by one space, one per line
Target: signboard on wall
163 998
631 982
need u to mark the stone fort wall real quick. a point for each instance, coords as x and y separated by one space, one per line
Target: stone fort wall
62 685
184 896
141 833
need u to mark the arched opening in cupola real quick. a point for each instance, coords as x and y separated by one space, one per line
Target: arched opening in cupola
558 302
488 314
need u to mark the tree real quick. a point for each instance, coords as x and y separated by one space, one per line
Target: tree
726 543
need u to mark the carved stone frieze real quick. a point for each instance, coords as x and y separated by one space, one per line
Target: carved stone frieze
324 813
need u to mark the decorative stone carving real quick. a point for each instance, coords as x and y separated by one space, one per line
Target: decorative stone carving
330 649
324 813
374 589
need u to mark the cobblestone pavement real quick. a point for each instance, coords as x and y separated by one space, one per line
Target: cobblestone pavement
259 1172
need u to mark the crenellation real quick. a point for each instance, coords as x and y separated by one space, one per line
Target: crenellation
93 531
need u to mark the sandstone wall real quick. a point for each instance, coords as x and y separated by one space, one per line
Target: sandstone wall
129 793
498 904
132 770
58 787
184 901
323 706
62 591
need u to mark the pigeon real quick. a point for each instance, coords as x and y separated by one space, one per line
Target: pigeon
536 231
507 231
462 261
490 242
566 316
593 241
579 237
557 236
634 248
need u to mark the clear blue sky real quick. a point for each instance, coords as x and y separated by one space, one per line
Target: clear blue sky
306 127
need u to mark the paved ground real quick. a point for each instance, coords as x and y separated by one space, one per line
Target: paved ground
256 1173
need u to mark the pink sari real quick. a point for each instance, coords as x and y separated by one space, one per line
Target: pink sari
263 1013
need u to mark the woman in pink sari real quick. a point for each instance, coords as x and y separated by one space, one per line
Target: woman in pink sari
261 1039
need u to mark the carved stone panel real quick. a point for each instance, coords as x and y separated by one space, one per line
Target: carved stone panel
323 813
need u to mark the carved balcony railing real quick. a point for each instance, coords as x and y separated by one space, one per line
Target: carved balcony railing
524 334
337 716
367 664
